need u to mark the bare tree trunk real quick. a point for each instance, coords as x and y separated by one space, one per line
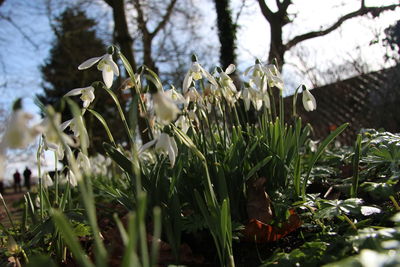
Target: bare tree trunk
226 33
125 41
277 48
147 40
121 32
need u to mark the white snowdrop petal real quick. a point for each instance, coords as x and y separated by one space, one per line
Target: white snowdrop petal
108 76
74 92
88 63
230 69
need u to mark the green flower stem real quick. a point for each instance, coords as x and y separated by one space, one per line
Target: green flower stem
7 210
56 177
39 152
395 204
87 195
272 97
156 235
347 219
121 114
207 119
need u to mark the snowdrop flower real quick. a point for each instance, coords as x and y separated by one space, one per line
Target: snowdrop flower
100 164
175 96
313 145
274 77
47 181
51 138
18 133
164 144
192 95
71 178
309 102
106 65
372 258
74 126
226 81
83 163
165 108
251 94
196 72
183 123
256 70
266 100
227 88
55 147
87 94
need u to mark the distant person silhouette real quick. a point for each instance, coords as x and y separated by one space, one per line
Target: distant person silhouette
27 178
17 182
1 187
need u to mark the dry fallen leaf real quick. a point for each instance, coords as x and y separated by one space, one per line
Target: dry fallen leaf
259 205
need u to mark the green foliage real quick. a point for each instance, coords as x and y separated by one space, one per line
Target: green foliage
200 179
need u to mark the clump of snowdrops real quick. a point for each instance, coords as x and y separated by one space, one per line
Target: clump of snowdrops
208 140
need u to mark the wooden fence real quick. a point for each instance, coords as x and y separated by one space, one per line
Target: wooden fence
370 100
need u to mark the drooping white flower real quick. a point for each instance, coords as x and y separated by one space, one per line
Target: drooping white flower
252 95
256 70
46 180
73 124
227 88
164 144
51 138
100 164
165 108
192 95
309 102
19 134
87 94
183 123
226 81
106 65
196 72
55 147
274 77
175 96
313 145
83 163
71 178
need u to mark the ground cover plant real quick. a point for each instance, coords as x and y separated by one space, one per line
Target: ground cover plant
225 179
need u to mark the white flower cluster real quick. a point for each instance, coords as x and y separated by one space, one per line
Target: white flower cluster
219 87
202 93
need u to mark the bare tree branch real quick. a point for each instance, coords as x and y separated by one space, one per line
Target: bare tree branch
268 14
362 4
20 30
242 6
278 3
284 6
140 18
375 11
165 18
